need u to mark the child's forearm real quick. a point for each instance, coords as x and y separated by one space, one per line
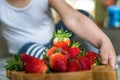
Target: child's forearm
87 29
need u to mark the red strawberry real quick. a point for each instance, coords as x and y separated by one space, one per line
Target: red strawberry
91 62
51 51
33 65
61 36
74 50
63 45
85 63
58 62
73 65
67 55
93 57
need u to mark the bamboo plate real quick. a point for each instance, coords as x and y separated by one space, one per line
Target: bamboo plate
104 72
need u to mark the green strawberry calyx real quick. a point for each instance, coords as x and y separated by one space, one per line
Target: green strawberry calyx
75 44
14 64
61 34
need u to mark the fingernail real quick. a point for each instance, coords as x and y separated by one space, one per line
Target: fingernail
104 62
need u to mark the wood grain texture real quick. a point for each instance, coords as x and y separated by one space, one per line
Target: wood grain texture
96 73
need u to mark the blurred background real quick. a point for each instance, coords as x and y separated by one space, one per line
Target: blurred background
97 8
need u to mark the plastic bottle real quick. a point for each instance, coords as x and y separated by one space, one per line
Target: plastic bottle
114 16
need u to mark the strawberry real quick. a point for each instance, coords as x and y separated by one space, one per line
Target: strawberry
33 65
54 49
91 62
93 57
63 45
73 65
58 62
67 55
85 63
51 51
74 49
61 36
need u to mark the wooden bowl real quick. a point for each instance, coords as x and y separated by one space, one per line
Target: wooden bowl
104 72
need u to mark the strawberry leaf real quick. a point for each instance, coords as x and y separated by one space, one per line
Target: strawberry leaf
14 64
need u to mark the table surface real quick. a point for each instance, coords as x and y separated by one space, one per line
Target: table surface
3 71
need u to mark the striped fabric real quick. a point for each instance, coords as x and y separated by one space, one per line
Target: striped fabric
33 49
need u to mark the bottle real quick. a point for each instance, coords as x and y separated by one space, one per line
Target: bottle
113 16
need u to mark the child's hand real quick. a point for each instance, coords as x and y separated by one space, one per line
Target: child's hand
107 53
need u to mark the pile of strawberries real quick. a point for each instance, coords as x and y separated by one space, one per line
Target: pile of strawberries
63 56
66 56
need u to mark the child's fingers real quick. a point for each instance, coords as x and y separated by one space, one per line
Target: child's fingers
104 58
112 60
104 55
